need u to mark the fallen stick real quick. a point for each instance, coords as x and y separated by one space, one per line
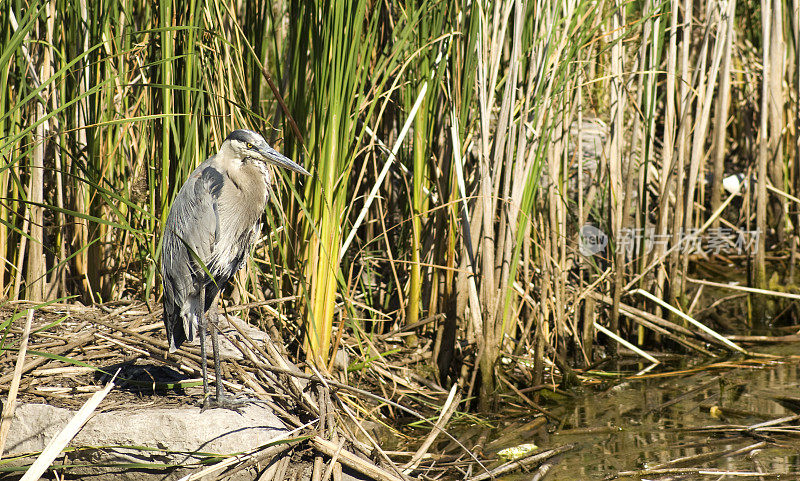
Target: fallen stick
703 471
706 457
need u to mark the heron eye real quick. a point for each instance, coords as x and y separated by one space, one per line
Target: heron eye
249 145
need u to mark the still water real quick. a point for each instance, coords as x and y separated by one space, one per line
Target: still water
652 420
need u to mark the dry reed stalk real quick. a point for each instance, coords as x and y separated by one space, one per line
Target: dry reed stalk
587 334
685 116
705 91
81 192
468 258
510 156
778 215
753 290
721 111
794 176
706 81
721 339
22 250
637 163
614 157
760 274
58 281
659 325
11 402
60 441
490 44
668 156
34 288
560 158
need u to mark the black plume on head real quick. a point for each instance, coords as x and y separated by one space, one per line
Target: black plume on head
244 135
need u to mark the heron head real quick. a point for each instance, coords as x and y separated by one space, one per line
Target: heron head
249 144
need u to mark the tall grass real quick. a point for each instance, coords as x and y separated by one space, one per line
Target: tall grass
457 148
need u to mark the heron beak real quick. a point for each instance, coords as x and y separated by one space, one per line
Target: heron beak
274 157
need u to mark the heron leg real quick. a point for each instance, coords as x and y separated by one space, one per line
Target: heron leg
221 400
203 361
214 326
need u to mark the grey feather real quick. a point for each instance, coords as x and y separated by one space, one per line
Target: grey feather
212 226
209 232
192 228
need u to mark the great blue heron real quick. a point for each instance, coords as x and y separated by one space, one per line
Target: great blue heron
210 229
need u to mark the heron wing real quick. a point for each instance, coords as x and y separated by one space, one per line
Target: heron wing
190 234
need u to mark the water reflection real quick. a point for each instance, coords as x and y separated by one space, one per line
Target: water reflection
653 421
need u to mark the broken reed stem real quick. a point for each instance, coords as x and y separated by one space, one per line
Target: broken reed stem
58 443
11 403
334 462
753 290
534 457
352 461
691 320
273 448
625 343
450 406
706 457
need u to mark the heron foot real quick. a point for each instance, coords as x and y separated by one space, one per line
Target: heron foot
232 403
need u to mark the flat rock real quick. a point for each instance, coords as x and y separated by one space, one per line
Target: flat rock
170 435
